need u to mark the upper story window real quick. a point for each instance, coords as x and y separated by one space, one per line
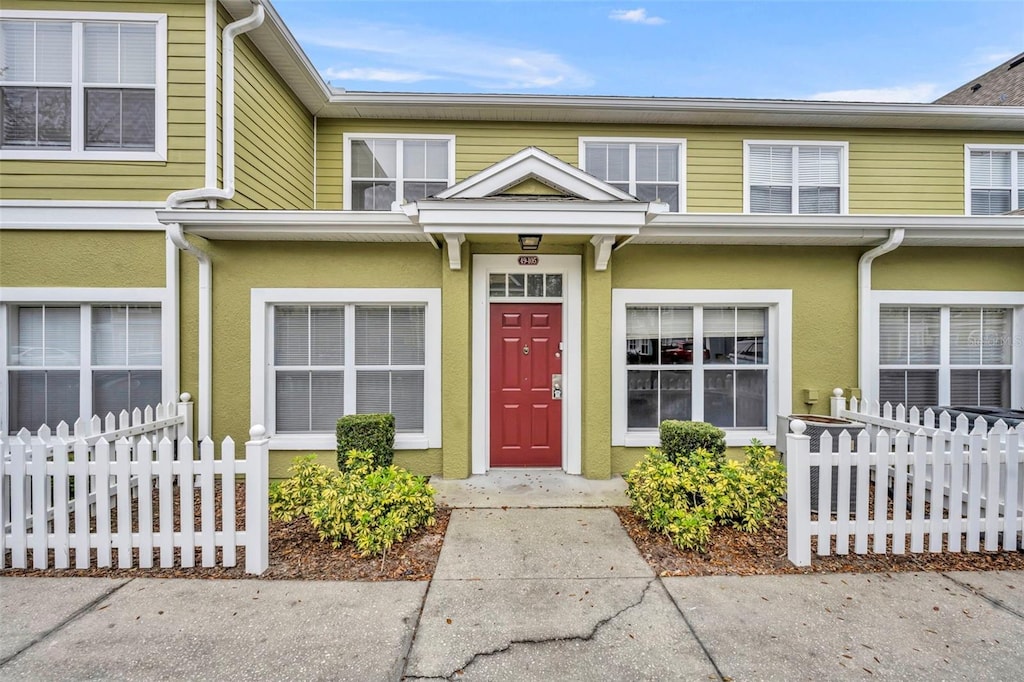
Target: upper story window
995 179
650 169
383 169
82 85
794 177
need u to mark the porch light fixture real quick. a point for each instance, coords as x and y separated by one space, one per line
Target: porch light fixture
529 242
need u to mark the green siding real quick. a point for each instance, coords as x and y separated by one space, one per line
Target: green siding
132 180
891 171
273 136
44 258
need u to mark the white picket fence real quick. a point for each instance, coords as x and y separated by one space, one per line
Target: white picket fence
111 486
955 482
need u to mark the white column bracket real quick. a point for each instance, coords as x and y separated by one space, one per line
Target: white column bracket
454 242
603 244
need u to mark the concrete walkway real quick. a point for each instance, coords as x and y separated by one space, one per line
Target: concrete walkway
519 594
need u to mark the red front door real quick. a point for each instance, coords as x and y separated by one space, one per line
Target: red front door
526 418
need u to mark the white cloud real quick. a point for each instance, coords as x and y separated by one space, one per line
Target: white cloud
990 60
400 54
920 92
635 16
380 75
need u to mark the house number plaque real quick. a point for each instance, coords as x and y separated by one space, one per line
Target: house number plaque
529 260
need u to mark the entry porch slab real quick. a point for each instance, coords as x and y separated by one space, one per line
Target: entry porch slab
523 488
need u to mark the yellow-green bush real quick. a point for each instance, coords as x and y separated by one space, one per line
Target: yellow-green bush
373 507
685 500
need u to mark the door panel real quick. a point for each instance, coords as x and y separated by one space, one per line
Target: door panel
526 422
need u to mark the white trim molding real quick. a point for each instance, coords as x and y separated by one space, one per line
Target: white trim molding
78 152
844 170
779 303
570 267
942 299
399 178
260 377
16 214
680 183
1016 181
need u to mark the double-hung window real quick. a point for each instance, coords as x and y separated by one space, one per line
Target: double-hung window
947 355
71 361
995 179
651 169
82 85
715 356
795 177
329 353
383 169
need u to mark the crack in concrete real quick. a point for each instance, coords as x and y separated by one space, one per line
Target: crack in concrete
60 626
550 640
412 638
991 600
693 631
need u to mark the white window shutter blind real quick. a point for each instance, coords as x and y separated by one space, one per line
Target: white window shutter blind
53 52
291 335
373 391
408 335
676 323
641 323
996 336
720 322
138 54
373 334
144 335
892 335
292 401
751 322
101 47
27 347
62 338
964 336
327 335
924 336
407 400
327 400
618 163
110 335
17 48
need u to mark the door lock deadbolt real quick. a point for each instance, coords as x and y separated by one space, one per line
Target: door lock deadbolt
556 386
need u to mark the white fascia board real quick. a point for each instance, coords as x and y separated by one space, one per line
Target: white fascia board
298 225
18 214
838 229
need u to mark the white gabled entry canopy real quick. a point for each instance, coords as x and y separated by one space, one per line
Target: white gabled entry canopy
493 202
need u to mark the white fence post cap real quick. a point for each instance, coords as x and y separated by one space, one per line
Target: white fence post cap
798 427
837 392
185 397
257 432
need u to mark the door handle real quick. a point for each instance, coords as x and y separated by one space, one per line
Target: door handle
556 386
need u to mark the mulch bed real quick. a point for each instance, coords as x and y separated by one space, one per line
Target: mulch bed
733 552
296 553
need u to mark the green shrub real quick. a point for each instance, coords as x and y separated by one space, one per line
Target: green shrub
367 432
373 507
686 499
680 439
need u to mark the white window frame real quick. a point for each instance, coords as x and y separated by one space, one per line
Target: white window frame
399 168
78 152
632 142
1016 151
81 297
844 171
779 303
946 300
261 379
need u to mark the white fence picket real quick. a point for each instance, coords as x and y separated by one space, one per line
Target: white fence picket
166 498
208 531
61 543
975 463
825 469
123 495
899 497
227 500
5 498
19 500
881 457
83 558
993 466
938 492
862 523
144 471
955 505
186 509
843 495
40 558
102 487
1012 495
920 463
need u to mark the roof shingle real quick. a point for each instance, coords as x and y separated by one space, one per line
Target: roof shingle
1002 86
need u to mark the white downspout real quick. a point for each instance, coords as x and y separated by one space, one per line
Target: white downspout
251 22
205 418
213 193
866 333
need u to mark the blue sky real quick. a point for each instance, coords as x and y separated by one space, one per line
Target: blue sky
912 51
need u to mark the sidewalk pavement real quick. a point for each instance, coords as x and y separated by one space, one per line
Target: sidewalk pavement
519 594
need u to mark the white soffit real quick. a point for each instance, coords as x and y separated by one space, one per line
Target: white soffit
79 215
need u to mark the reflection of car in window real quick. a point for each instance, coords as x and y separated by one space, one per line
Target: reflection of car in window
749 351
678 352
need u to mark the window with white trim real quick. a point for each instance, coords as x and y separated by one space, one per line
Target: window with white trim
382 372
715 356
948 355
66 362
383 169
649 169
88 83
995 179
795 177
